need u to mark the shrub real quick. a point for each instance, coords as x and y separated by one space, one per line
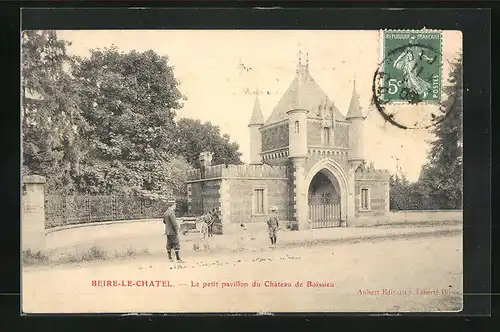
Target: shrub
94 253
293 225
30 257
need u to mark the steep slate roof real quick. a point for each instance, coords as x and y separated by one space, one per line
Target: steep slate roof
257 117
303 93
354 108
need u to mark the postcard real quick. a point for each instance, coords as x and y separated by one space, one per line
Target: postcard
241 171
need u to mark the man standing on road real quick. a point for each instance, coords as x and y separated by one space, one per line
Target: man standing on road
172 231
272 224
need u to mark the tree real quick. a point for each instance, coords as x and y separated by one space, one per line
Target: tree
194 137
442 173
50 115
129 101
399 196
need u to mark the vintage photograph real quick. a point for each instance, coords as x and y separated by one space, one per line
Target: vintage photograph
226 171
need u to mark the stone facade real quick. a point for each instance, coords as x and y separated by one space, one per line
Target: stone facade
275 137
309 153
234 189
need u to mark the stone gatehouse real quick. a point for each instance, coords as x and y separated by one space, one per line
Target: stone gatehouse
305 161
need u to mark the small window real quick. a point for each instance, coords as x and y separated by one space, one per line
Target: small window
365 199
259 201
326 135
296 127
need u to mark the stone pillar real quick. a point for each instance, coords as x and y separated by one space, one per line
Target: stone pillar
351 198
33 213
300 193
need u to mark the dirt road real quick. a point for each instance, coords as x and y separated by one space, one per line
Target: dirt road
422 274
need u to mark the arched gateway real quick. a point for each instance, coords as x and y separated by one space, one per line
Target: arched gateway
304 161
327 194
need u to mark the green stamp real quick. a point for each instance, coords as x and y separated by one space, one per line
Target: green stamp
411 66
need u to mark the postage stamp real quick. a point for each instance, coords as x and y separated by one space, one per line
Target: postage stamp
411 66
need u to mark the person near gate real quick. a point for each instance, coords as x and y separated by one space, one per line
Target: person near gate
172 232
210 221
272 225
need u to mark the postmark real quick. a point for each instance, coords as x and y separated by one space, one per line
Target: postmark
411 65
408 89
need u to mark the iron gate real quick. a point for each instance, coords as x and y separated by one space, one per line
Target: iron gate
324 210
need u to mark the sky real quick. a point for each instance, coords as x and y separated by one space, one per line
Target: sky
219 69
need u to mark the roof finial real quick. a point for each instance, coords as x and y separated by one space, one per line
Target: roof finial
299 64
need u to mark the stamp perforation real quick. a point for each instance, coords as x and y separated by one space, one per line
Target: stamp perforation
410 79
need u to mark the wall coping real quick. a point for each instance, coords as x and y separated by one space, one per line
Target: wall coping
235 178
99 223
34 179
406 211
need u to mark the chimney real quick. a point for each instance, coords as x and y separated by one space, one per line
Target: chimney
205 161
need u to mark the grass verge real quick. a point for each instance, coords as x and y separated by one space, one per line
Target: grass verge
95 253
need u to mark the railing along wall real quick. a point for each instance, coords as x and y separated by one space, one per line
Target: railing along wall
77 209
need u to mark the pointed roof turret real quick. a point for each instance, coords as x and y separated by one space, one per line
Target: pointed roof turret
257 117
303 93
354 108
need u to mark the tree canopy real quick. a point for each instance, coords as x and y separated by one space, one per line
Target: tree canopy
105 123
443 172
440 185
194 137
129 101
50 113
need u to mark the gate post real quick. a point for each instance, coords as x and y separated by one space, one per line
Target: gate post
33 213
300 187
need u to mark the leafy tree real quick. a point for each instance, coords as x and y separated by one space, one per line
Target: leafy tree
194 137
399 192
365 166
50 115
129 101
442 174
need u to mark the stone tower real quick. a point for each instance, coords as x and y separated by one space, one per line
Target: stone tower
297 148
256 122
355 157
356 118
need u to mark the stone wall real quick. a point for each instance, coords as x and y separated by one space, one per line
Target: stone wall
231 188
241 199
204 197
280 161
317 154
314 132
251 171
275 137
243 171
211 195
410 217
194 200
377 183
341 135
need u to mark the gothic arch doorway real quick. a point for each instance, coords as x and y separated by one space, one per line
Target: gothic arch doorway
327 192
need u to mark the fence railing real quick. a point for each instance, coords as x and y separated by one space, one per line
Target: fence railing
77 209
